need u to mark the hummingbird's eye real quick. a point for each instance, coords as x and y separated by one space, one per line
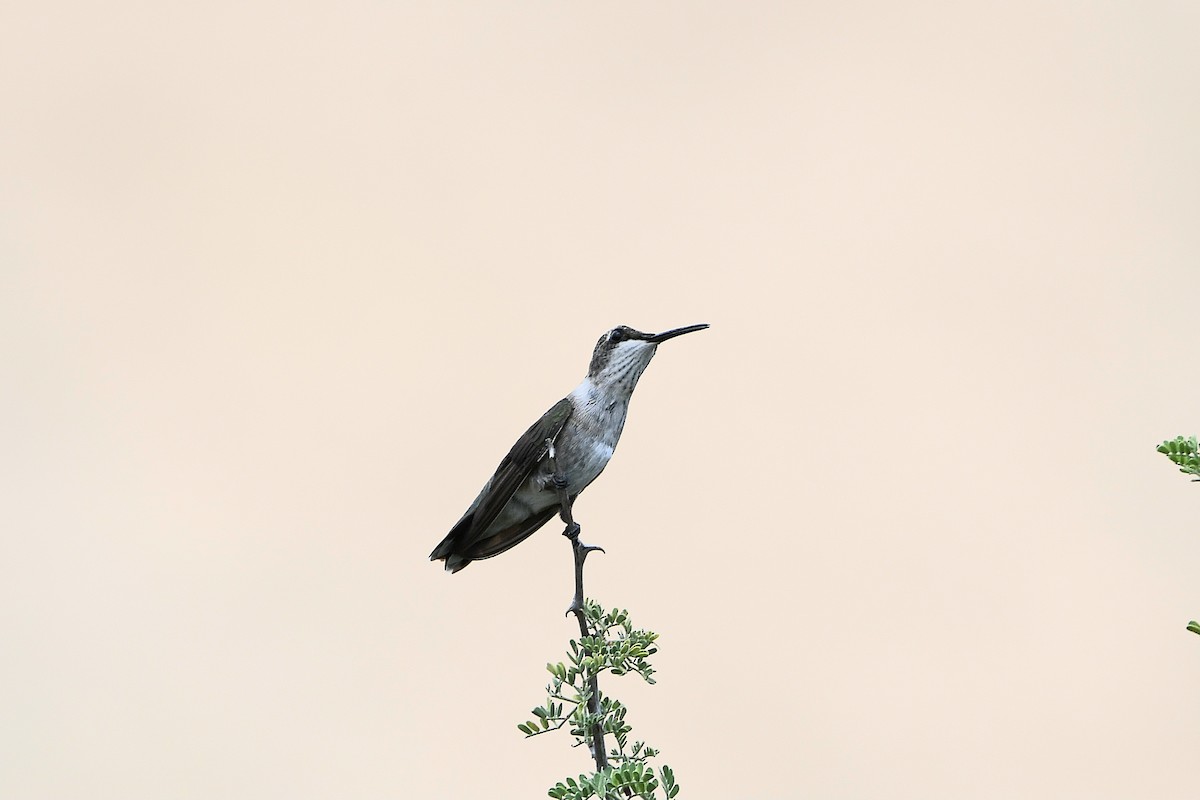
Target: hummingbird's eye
616 336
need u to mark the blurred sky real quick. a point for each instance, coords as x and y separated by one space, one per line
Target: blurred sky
281 282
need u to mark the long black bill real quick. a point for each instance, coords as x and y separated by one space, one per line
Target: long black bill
662 337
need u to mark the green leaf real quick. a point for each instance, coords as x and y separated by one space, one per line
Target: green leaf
668 777
1183 453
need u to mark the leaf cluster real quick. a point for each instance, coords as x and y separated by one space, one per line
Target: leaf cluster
634 779
615 646
1184 453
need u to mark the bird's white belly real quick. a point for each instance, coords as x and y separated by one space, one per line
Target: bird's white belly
585 464
588 440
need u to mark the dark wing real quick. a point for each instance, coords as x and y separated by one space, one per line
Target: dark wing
514 470
496 542
519 464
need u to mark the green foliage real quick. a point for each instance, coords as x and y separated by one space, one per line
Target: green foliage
616 647
635 777
1183 453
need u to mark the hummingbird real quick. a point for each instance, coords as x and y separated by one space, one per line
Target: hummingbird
558 456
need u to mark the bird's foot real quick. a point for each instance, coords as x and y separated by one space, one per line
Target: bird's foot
572 532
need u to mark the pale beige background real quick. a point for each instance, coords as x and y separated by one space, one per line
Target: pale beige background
281 282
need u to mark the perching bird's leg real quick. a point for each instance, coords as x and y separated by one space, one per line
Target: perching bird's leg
580 552
571 532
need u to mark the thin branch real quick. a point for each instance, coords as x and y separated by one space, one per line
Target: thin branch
580 552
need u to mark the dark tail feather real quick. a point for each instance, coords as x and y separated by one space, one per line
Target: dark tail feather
458 548
445 551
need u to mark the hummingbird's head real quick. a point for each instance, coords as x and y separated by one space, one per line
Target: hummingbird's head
622 354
